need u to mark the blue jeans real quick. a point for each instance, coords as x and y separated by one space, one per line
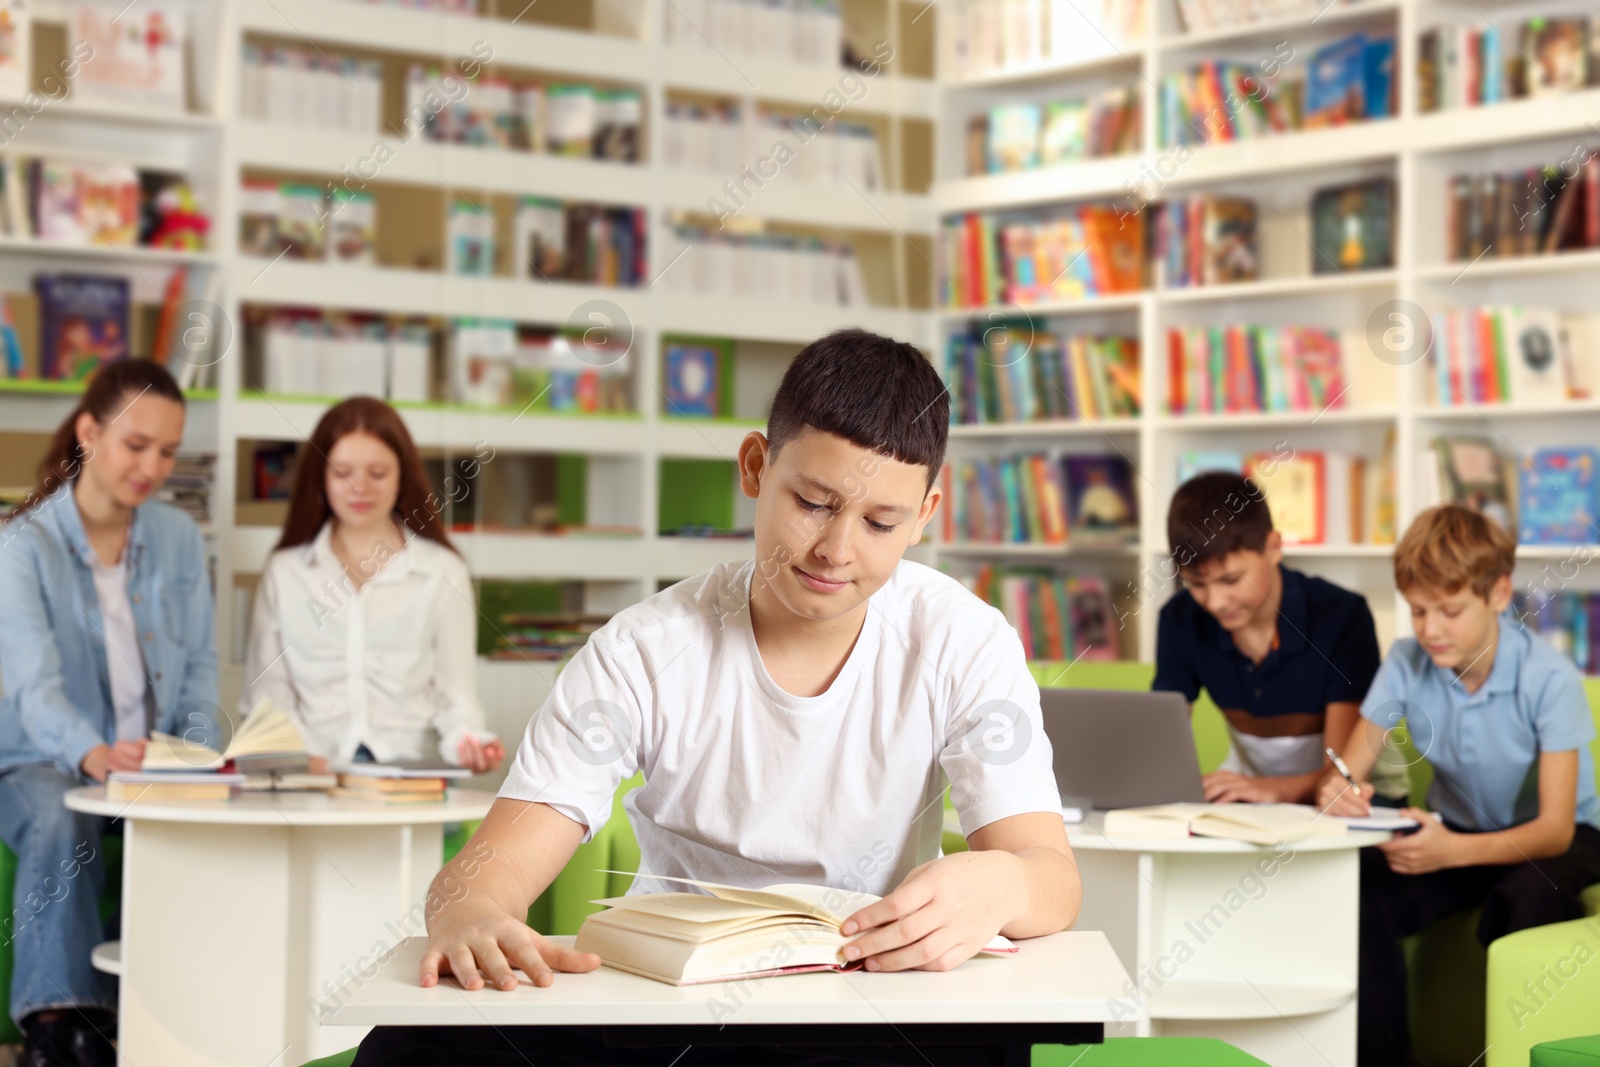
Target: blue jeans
54 917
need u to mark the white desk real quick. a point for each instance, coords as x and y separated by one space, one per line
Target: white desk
239 916
1057 989
1221 948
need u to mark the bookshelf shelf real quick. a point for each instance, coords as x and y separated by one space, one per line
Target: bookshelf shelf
681 557
1338 551
1087 306
823 206
1055 428
1505 123
29 246
1086 180
1023 551
1509 412
1510 266
1557 552
768 320
1309 286
465 170
157 118
1263 420
421 292
682 438
1334 15
1118 56
450 427
1308 150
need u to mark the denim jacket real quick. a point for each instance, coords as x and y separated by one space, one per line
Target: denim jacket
57 686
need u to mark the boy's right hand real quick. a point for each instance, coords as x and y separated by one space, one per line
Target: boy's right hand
490 945
1335 797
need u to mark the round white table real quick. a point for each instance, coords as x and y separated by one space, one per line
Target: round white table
1254 945
240 916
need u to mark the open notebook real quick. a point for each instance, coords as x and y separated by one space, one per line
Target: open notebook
266 731
734 934
1261 824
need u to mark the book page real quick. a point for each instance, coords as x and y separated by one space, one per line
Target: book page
690 907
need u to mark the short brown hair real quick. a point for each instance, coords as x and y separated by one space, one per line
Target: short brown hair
875 392
1452 546
1215 514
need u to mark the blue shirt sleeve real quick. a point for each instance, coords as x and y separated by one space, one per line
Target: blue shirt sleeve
1391 688
1561 718
1175 666
1355 656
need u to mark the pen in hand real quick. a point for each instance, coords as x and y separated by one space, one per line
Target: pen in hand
1344 772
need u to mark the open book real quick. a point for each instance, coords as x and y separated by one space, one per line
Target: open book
734 934
1260 824
266 732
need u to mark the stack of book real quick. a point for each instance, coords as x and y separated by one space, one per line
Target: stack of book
1088 251
796 31
1033 377
175 768
188 487
315 353
1058 617
714 137
305 87
1253 369
1469 66
1206 240
496 363
1525 212
1040 499
983 37
775 266
1569 620
309 222
1023 136
1510 354
1349 80
397 782
563 119
542 637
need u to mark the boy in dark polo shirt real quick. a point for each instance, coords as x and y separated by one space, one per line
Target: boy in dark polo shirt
1285 656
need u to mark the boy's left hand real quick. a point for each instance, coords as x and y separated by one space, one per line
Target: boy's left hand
943 914
1222 787
1432 848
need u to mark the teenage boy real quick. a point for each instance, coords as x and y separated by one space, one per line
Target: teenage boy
1503 719
796 717
1285 656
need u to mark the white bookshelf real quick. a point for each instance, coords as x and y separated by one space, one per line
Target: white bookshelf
1420 151
216 147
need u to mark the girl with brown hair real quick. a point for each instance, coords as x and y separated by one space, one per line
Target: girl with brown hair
108 634
365 626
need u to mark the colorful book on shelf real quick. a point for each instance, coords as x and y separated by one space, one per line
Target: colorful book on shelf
1206 240
1020 375
1508 354
1471 472
139 55
1530 211
1352 227
1057 616
84 323
1557 501
1193 462
1253 369
1091 251
1101 502
694 381
1569 620
16 48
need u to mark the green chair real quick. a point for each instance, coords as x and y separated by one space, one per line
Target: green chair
1573 1052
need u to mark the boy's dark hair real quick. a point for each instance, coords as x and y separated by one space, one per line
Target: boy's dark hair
875 392
1214 514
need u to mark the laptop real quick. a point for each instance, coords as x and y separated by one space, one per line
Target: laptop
1119 749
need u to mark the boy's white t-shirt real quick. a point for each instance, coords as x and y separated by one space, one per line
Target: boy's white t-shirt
749 785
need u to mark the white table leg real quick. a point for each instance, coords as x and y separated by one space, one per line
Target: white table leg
232 934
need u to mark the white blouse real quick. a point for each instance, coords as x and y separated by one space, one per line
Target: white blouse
392 665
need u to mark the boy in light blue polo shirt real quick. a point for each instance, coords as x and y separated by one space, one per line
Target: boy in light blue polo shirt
1502 718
